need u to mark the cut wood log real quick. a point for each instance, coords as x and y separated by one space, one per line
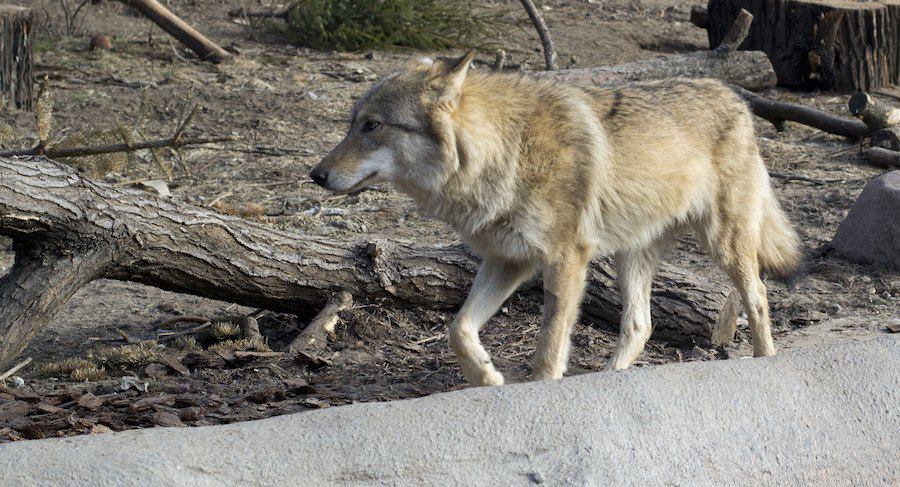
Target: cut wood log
205 49
884 158
17 55
779 112
68 231
828 44
874 113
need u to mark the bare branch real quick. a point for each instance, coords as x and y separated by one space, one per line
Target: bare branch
538 20
15 369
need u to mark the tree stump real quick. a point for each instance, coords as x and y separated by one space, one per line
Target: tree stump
16 55
830 44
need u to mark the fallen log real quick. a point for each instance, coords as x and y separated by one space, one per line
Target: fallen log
68 231
748 69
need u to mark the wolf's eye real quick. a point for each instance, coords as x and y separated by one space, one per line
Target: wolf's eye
371 125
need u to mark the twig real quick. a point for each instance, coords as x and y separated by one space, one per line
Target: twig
538 20
792 177
315 335
736 34
15 369
166 337
184 319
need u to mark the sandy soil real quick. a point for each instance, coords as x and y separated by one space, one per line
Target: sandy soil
288 106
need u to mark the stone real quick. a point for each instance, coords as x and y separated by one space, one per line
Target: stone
821 414
871 232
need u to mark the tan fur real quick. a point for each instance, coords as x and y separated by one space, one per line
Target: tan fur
539 175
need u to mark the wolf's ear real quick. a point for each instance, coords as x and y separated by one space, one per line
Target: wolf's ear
454 75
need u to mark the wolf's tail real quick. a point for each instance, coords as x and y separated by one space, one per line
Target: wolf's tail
780 255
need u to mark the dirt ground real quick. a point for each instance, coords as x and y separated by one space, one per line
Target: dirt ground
288 106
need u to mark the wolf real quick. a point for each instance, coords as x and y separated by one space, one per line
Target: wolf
540 175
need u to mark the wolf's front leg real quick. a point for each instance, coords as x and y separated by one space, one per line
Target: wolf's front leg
495 281
564 282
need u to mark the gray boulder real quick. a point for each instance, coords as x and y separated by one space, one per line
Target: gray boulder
871 232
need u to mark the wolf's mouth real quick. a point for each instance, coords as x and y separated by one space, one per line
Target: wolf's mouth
362 184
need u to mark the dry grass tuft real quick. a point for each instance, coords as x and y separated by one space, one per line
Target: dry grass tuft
125 357
77 369
186 343
244 344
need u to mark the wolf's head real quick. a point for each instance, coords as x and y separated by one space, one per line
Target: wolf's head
400 131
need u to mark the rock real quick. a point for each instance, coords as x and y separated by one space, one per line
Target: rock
871 232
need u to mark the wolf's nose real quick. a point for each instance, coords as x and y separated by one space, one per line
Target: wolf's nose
319 176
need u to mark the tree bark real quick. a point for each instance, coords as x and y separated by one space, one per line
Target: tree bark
747 69
844 46
17 55
69 230
205 49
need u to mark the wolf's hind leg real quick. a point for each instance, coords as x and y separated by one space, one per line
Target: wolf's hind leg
564 282
744 272
636 269
495 281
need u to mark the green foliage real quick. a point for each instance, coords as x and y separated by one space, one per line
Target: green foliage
349 25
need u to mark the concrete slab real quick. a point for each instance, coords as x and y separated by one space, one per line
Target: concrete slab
824 415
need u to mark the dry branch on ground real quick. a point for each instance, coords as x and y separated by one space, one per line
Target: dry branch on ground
205 49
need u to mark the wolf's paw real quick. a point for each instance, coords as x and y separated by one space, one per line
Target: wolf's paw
492 378
485 377
546 375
